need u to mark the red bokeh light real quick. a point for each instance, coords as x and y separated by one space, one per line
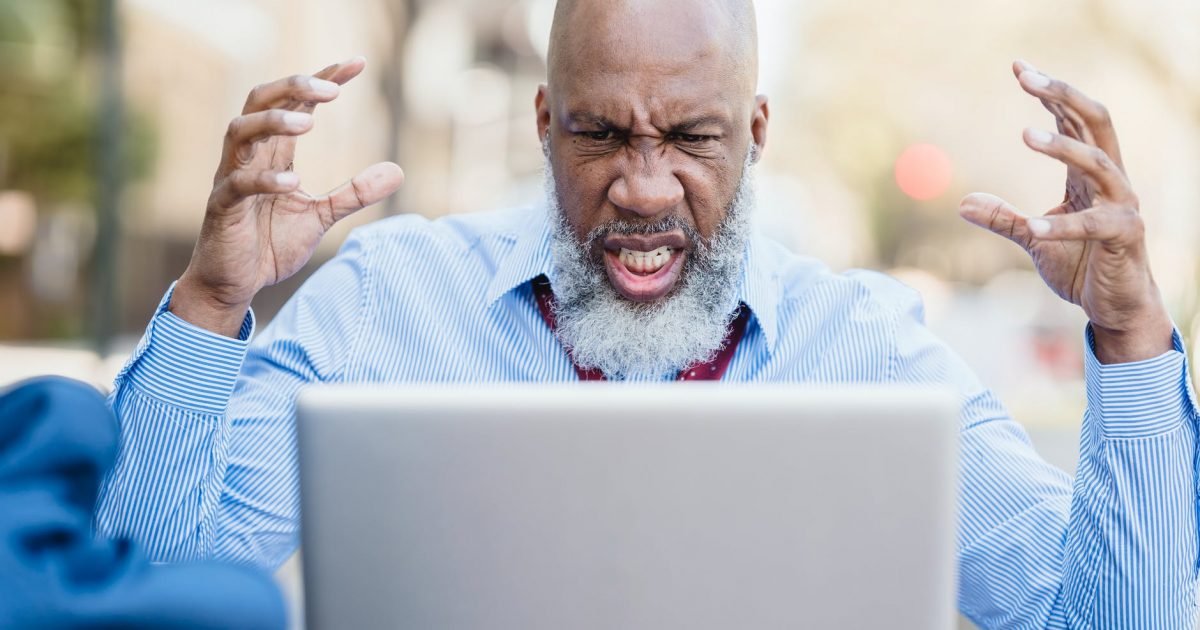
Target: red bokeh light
923 172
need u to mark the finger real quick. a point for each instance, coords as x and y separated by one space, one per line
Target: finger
1094 224
1089 159
996 215
242 184
244 132
343 72
1077 107
1068 122
290 92
304 92
1065 126
1038 84
372 185
1020 66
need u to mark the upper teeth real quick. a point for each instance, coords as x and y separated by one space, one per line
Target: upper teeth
645 262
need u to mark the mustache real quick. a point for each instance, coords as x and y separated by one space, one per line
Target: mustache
665 224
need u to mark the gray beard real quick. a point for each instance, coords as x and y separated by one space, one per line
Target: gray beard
624 339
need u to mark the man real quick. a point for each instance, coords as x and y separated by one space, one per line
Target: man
641 267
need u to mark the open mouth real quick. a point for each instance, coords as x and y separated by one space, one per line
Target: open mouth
645 268
645 263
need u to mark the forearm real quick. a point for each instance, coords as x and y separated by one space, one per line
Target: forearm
170 402
1131 545
161 491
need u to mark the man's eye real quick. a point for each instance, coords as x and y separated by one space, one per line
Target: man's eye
599 136
692 138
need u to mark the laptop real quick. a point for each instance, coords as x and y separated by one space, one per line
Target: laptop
606 506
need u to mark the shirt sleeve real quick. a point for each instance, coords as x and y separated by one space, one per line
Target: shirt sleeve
1113 548
1132 532
207 460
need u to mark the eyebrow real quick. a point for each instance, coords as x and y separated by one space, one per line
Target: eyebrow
588 118
687 126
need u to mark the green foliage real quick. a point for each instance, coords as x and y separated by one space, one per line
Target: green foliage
48 101
50 73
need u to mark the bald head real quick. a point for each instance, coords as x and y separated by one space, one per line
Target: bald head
621 35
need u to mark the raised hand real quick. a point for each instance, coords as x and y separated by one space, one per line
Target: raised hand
261 226
1091 248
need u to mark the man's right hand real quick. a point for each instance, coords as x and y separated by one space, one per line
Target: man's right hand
260 226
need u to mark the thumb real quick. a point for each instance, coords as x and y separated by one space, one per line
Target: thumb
997 215
372 185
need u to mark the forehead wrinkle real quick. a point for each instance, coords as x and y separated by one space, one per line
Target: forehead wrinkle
664 109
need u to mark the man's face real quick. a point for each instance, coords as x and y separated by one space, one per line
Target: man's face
648 129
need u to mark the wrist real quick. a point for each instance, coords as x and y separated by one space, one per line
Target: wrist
199 307
1150 337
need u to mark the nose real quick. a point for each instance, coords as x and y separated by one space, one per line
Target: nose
648 190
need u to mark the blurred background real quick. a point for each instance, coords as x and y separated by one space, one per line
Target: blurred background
884 115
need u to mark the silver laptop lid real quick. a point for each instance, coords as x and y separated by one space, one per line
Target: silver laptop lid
609 506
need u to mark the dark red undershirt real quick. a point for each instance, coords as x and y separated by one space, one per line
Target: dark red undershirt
709 371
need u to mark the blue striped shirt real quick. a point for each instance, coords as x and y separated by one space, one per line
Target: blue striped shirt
207 466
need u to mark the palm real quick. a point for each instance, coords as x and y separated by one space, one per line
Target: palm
273 235
1063 265
287 227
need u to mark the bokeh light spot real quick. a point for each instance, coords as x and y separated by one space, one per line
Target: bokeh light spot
923 172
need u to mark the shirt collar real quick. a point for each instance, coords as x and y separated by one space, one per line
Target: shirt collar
760 289
530 256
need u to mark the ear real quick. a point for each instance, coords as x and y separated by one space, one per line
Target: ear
541 104
758 124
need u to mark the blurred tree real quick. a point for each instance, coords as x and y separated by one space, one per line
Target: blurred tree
44 118
50 131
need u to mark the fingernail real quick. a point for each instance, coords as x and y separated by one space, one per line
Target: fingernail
1035 79
296 120
287 179
1039 136
1039 227
323 87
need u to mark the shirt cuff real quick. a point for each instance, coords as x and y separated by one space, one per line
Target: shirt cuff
1140 399
184 365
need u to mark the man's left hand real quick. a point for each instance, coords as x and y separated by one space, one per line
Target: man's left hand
1091 248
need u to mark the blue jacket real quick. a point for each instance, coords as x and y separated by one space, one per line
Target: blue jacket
57 441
